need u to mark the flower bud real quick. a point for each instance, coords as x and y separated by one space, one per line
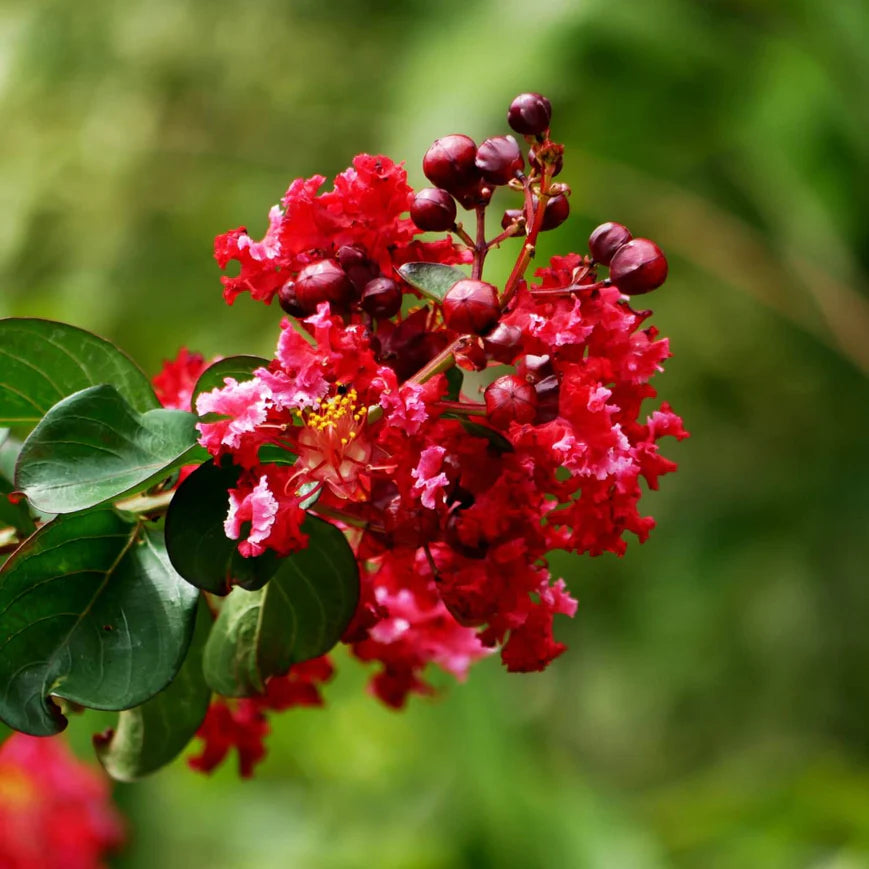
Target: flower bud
381 298
449 162
511 216
288 301
471 307
353 259
508 399
556 212
503 343
499 159
529 114
606 239
548 394
322 282
638 267
433 209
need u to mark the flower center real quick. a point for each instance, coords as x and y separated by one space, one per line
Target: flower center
332 445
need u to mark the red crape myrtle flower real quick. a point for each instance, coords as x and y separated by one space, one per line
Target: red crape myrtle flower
450 503
55 812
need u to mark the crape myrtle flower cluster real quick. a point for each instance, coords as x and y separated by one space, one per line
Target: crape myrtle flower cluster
451 499
55 811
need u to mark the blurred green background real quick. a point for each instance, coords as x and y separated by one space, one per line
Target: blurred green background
712 708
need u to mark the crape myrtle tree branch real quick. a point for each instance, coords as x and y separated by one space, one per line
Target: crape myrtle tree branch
189 551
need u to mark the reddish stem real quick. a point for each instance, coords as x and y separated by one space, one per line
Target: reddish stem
512 285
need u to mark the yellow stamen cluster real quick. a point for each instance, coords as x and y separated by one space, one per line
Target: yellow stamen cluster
330 411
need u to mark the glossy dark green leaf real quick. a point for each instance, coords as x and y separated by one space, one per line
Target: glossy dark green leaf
272 454
13 513
90 611
151 735
92 447
5 732
238 367
196 542
42 362
431 279
455 377
300 614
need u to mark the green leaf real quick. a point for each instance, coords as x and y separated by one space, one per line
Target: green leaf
240 368
92 447
153 734
455 377
42 362
90 611
431 279
13 513
5 732
300 614
196 542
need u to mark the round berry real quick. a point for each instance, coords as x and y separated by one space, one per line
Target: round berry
499 159
638 267
606 239
322 282
529 114
433 209
508 399
556 212
511 216
288 301
474 196
548 394
381 298
449 162
353 259
471 307
503 343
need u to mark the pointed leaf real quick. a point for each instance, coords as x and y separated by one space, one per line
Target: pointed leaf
42 362
93 447
90 611
151 735
431 279
196 542
300 614
240 368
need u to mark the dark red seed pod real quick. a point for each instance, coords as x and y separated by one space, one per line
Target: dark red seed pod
503 343
471 307
381 298
638 267
324 281
533 369
553 155
529 114
433 210
606 239
449 162
511 216
499 159
556 212
288 301
477 194
508 399
548 393
353 259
